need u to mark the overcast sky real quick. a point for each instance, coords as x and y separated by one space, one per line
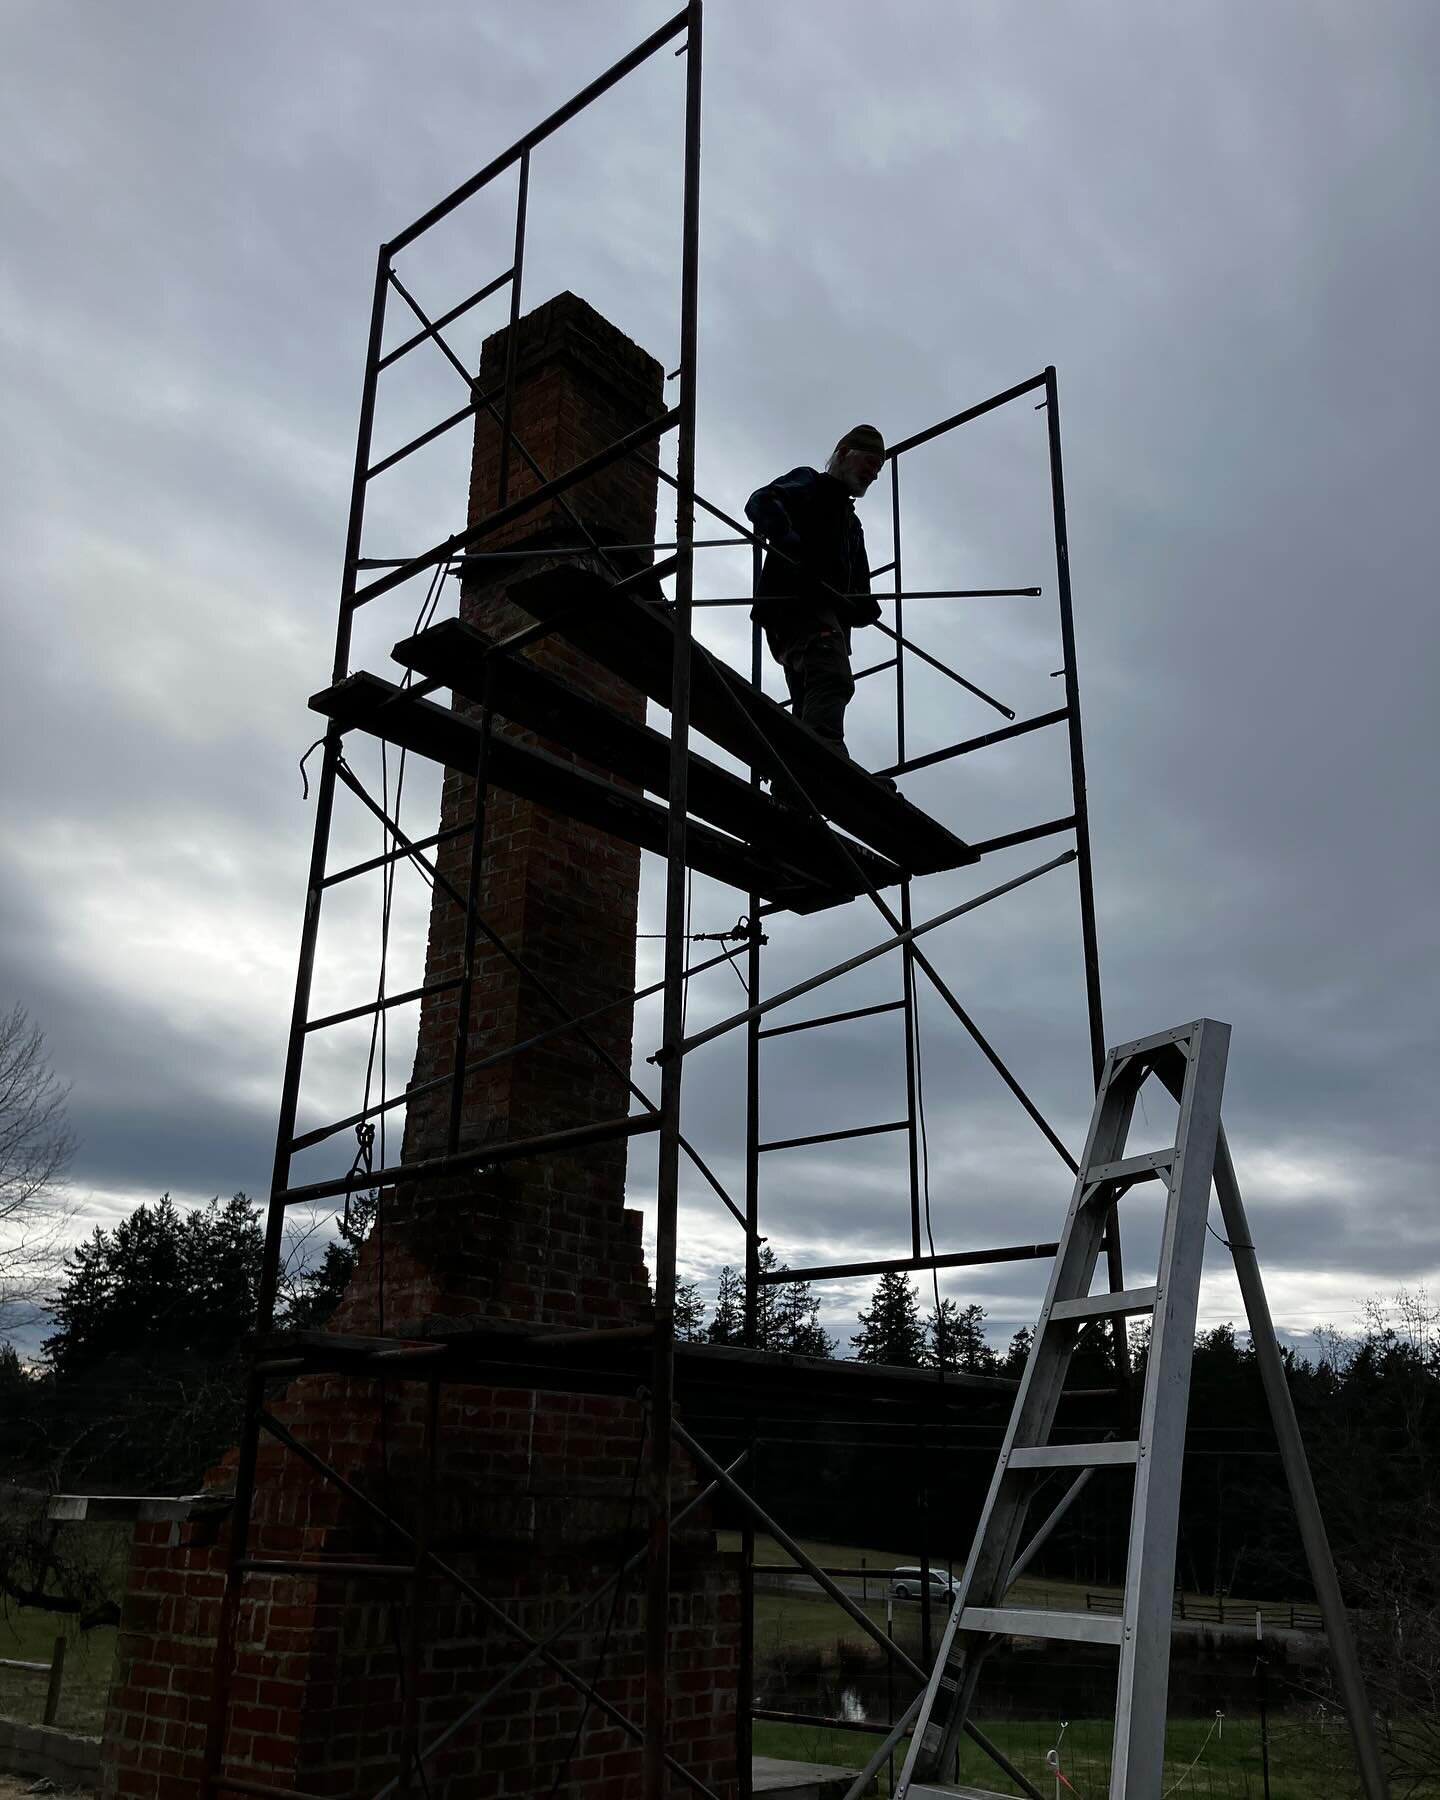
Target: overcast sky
1217 221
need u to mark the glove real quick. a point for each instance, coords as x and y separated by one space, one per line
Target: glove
864 610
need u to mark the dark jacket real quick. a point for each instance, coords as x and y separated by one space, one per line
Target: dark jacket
793 602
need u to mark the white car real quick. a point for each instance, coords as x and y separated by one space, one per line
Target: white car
909 1584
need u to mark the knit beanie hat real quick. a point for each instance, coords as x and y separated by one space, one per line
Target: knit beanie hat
862 437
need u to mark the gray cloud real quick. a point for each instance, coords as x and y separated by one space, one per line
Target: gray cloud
1216 225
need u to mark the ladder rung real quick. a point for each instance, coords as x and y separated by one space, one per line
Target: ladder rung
1033 1621
1074 1456
1107 1306
858 1012
834 1137
1131 1168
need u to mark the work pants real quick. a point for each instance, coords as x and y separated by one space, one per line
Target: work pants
817 673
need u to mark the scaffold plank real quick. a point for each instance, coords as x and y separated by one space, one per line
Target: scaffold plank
634 639
459 655
368 703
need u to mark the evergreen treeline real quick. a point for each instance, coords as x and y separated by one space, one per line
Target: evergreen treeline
140 1389
1369 1411
142 1378
892 1328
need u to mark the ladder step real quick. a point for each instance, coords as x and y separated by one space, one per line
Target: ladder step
1107 1306
1074 1456
1034 1621
1131 1168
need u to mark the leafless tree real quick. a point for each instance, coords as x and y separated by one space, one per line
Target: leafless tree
36 1145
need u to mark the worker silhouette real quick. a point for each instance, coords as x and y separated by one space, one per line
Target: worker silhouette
814 588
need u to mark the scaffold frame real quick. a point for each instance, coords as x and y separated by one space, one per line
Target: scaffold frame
619 1360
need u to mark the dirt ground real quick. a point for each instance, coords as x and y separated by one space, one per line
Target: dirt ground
13 1786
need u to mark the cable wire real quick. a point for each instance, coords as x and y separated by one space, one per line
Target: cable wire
1187 1770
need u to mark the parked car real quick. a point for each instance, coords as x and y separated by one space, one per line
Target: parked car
909 1584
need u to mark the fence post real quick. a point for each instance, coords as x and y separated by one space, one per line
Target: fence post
864 1584
57 1671
1262 1677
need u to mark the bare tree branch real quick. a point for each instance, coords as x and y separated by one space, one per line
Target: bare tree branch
36 1143
36 1147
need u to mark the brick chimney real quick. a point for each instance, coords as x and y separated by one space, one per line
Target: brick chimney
557 1246
535 1497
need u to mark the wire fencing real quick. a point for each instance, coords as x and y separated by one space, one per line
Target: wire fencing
1247 1720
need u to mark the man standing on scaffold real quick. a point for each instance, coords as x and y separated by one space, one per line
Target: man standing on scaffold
814 588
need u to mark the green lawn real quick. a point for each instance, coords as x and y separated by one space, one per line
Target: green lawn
1305 1762
29 1636
1205 1760
1202 1762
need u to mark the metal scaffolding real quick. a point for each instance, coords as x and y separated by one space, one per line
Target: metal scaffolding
781 849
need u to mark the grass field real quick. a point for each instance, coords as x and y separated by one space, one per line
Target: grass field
1203 1760
29 1636
1205 1757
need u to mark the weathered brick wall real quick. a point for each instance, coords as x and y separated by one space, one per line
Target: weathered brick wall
554 1244
536 1497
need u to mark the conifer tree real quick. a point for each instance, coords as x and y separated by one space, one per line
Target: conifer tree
689 1313
787 1313
162 1282
890 1327
1018 1354
941 1331
727 1326
955 1339
799 1329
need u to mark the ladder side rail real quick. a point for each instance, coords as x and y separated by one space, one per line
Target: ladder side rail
1297 1475
1142 1689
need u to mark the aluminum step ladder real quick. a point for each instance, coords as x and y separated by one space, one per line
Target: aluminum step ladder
1189 1062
